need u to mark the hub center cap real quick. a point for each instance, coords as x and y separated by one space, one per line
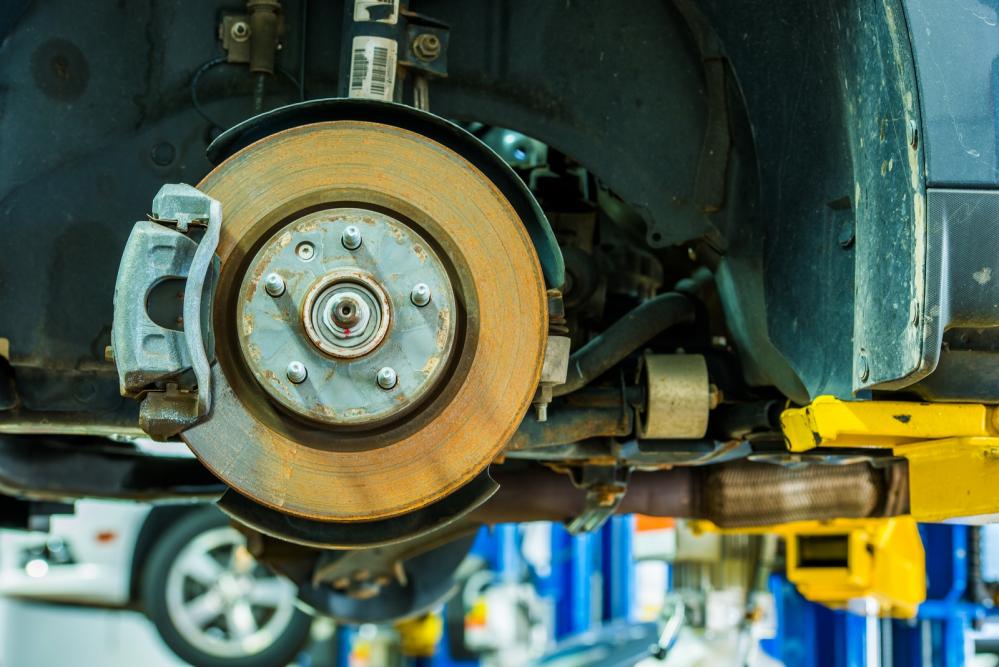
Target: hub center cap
346 313
336 302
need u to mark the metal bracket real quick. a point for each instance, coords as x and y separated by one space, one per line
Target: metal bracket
196 279
235 33
605 487
555 366
426 43
253 37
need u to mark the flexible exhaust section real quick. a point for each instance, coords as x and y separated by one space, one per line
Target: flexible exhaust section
747 494
733 495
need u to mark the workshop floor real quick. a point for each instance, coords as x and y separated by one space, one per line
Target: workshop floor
36 633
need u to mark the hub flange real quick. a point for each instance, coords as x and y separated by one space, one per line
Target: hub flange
346 313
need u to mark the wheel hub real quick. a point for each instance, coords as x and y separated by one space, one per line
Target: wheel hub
345 318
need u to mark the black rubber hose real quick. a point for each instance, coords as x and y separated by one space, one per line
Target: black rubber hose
624 337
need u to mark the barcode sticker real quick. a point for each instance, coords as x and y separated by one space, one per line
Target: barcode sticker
380 11
372 68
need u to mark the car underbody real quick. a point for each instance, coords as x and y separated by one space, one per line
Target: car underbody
402 271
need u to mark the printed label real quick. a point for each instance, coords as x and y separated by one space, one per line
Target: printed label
379 11
372 68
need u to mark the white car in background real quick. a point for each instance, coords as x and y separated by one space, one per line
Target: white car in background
185 566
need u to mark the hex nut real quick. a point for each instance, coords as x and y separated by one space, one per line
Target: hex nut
427 46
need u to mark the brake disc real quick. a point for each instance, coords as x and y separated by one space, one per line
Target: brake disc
379 322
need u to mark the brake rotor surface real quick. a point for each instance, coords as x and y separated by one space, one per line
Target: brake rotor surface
444 289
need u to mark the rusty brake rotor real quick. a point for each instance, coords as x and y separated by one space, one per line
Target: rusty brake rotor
380 322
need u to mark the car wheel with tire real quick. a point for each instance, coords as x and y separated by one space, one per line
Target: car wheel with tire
213 604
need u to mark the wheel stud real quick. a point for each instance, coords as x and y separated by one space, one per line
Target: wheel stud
386 378
274 284
297 372
420 295
351 238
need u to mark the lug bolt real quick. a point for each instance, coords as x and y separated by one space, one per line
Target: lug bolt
305 251
386 378
351 238
297 372
420 295
274 284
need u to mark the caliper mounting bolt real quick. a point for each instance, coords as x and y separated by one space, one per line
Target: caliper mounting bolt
274 284
297 372
386 377
420 295
351 238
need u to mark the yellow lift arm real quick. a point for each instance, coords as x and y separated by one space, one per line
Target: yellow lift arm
869 566
952 448
844 562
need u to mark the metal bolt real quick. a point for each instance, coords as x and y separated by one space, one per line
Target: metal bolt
912 133
427 46
863 368
240 31
386 378
297 372
351 238
305 251
274 284
420 295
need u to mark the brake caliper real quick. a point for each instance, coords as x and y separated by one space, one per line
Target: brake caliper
162 340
